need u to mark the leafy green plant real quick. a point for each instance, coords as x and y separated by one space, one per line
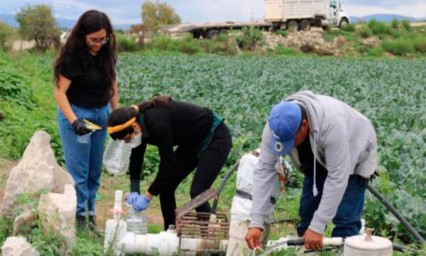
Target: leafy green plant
365 32
126 43
6 32
400 46
250 38
406 25
395 23
349 28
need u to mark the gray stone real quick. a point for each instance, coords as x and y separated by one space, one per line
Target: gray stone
24 223
18 246
37 170
57 214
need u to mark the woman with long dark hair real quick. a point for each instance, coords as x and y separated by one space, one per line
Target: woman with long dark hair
187 136
85 89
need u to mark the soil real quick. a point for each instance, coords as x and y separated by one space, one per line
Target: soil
103 205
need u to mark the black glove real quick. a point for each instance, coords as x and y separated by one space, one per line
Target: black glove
80 127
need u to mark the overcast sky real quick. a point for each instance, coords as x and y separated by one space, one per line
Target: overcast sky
129 11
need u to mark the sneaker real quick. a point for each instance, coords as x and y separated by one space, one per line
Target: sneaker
93 227
81 222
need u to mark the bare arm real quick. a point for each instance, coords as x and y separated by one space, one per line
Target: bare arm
62 99
114 99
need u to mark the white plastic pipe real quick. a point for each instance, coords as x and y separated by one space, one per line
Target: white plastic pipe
164 243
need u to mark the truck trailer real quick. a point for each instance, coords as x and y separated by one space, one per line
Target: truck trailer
278 14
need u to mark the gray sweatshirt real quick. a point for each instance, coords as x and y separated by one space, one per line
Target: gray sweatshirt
342 140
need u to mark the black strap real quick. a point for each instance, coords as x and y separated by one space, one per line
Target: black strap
246 195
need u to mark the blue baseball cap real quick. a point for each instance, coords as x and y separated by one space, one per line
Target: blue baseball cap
284 121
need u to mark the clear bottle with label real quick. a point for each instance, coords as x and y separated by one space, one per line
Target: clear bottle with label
117 157
136 222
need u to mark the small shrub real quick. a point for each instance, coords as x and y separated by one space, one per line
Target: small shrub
282 32
349 28
365 32
164 43
420 44
406 25
188 45
376 52
395 23
126 43
282 50
400 46
6 32
379 28
250 38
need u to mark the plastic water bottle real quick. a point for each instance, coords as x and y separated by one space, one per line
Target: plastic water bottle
136 222
117 157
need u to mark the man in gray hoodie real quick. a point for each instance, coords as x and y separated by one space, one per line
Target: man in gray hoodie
335 146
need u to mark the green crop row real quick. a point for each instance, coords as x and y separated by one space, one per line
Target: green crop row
390 93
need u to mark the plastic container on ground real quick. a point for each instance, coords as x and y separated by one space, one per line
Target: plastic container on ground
136 222
115 228
117 157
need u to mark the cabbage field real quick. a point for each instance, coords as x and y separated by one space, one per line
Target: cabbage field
390 92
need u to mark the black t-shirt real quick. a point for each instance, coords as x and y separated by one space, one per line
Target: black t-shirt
180 124
306 157
89 86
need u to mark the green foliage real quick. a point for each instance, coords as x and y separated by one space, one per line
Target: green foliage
376 52
349 28
250 38
6 32
163 43
5 229
406 25
188 45
14 89
420 43
365 32
282 50
243 89
381 28
395 23
400 46
37 23
282 32
126 43
156 14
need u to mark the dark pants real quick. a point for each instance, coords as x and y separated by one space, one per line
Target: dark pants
347 220
208 165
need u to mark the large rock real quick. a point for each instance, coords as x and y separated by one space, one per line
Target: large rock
18 246
57 214
37 170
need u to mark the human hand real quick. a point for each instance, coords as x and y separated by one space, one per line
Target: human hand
141 203
253 237
313 240
132 197
80 127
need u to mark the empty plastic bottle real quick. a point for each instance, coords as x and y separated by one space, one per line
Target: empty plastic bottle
117 157
136 222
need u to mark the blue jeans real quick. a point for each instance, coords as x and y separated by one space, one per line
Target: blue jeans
347 220
84 161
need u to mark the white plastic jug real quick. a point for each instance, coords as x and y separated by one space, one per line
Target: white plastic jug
117 157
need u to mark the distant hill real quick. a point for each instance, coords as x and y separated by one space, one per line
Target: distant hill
383 18
64 24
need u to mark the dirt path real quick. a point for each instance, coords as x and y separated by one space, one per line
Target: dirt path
103 205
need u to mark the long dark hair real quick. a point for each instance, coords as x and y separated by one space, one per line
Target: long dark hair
89 22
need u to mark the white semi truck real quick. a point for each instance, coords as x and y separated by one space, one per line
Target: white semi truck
278 14
303 14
